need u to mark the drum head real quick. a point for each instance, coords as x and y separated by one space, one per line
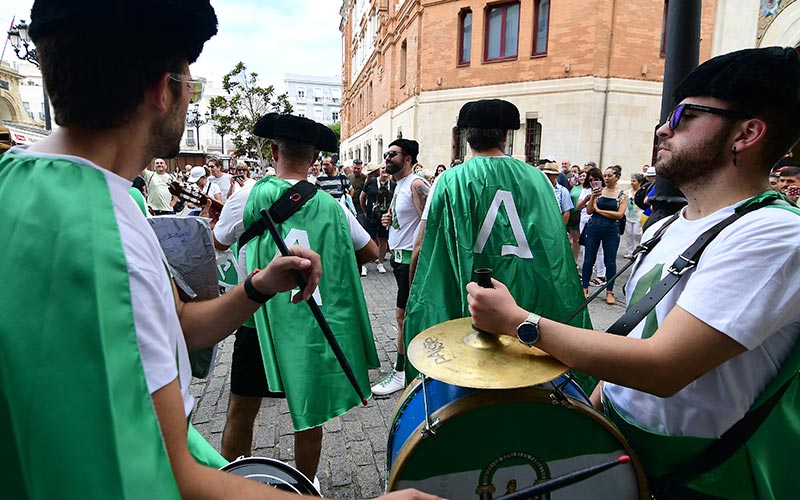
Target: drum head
272 473
496 442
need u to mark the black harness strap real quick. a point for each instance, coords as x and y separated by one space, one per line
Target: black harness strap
685 262
287 205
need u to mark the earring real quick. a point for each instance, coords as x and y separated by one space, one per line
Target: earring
733 150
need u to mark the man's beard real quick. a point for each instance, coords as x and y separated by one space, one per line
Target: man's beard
691 164
392 168
165 139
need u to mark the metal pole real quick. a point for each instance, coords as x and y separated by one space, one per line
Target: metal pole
47 124
683 55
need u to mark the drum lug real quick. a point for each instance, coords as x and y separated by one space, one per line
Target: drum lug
560 399
431 425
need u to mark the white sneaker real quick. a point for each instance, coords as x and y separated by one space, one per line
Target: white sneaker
381 269
393 381
363 270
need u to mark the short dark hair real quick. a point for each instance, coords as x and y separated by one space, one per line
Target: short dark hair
296 151
639 178
790 172
483 139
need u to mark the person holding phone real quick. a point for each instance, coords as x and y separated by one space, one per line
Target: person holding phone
591 176
606 207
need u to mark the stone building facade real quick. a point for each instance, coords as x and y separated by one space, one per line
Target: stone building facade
586 75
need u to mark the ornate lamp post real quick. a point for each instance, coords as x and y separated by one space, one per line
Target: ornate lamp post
195 119
26 51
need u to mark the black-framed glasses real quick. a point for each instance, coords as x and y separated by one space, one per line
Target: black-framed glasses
390 154
195 84
677 113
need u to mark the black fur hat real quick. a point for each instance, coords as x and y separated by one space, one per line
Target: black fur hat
489 113
752 80
127 24
296 128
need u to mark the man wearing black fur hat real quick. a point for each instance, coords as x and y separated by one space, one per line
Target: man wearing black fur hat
515 227
410 196
284 340
721 349
97 374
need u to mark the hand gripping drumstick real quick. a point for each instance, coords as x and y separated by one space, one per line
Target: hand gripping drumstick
565 480
315 310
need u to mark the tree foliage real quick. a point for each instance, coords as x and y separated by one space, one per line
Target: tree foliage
236 113
337 129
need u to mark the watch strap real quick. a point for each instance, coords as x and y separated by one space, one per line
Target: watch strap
251 291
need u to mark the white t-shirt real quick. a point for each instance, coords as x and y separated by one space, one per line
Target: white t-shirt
211 190
405 215
223 182
158 332
230 226
747 286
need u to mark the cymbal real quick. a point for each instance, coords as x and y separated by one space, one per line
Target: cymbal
456 354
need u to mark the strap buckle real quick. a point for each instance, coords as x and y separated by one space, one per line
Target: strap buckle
678 268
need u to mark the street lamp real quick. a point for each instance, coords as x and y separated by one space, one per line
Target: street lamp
25 50
195 119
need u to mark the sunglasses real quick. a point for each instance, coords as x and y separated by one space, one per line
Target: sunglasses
390 154
195 85
677 113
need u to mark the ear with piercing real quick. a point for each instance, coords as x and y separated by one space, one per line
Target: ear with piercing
733 150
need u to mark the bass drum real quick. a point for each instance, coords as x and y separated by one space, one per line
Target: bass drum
493 442
272 473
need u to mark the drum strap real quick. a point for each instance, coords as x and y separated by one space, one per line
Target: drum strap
287 205
637 312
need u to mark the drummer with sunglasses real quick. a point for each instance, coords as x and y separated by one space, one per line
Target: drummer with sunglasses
726 339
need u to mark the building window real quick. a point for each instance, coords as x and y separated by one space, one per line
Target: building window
510 143
301 114
318 114
664 24
403 53
301 94
459 144
369 98
464 37
336 95
502 32
317 94
190 137
533 141
335 116
368 152
541 26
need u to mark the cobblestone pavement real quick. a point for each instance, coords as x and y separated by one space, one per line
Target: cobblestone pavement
354 445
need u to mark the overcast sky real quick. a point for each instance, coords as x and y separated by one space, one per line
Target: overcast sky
272 37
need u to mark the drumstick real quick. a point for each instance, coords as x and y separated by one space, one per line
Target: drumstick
315 310
565 480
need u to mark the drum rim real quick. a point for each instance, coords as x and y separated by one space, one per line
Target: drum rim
313 491
482 398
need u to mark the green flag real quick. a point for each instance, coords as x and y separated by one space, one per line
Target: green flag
500 213
297 358
76 418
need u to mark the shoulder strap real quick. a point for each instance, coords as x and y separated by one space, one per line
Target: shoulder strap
287 205
686 261
641 249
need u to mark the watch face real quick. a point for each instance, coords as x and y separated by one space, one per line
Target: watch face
528 333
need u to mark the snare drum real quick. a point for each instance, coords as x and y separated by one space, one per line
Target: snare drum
272 473
487 443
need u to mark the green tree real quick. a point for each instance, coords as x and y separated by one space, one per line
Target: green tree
236 113
337 129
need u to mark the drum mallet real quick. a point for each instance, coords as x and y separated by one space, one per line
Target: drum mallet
315 310
565 480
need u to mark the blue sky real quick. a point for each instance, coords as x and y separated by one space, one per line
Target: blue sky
272 37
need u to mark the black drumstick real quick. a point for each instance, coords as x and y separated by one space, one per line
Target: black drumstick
565 480
315 310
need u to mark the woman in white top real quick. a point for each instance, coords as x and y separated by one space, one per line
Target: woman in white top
633 217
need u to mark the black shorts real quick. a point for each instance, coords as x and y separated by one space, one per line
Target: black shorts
247 368
401 273
378 230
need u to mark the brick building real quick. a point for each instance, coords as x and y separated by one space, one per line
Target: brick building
586 75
